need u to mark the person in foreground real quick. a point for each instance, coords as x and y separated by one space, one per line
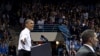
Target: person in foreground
89 39
24 45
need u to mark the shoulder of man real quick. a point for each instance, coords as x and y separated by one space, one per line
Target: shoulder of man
83 51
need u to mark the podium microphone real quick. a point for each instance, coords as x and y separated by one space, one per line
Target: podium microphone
43 38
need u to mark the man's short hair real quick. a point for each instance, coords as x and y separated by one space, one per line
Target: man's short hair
87 34
26 21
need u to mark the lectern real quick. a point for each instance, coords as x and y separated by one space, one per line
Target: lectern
42 50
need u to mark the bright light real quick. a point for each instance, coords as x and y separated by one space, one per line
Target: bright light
57 42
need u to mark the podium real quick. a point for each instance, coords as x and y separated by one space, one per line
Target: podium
41 50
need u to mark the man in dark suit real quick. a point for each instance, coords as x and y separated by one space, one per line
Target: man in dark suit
89 39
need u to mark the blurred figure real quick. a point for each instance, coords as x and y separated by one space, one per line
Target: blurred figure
21 21
72 51
40 23
12 50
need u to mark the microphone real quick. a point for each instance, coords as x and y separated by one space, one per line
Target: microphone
44 39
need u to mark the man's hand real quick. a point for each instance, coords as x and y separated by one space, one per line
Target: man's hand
23 41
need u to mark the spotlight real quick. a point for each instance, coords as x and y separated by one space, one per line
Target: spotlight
57 42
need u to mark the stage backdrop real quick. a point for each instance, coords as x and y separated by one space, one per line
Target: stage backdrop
51 36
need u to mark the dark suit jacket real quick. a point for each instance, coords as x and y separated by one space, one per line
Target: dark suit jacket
83 51
91 54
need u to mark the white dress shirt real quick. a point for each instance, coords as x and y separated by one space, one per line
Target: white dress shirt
90 47
25 34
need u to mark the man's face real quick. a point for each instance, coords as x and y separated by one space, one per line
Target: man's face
30 25
94 40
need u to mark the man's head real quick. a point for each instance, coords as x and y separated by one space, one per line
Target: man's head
89 37
29 23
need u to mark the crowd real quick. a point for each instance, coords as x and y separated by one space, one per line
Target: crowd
4 38
77 16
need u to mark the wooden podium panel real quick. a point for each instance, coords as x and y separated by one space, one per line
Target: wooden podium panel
42 50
